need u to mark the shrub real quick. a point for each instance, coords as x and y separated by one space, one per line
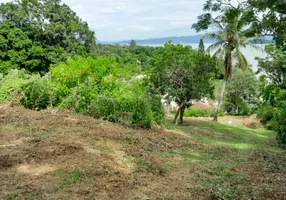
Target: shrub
36 94
95 87
11 83
129 111
279 123
76 71
266 113
198 112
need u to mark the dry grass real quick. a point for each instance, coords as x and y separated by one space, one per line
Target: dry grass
62 155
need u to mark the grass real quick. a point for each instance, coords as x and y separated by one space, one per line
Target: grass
67 179
231 136
223 148
196 160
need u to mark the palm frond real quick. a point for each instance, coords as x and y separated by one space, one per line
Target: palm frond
254 46
213 47
213 36
220 53
217 24
241 59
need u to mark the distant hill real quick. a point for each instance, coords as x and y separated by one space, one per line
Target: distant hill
161 41
176 40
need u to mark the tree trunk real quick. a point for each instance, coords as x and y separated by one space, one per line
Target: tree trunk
220 100
180 113
177 115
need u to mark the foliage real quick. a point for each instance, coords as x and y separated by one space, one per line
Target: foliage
266 115
137 58
201 49
182 73
36 94
36 34
198 112
242 93
280 122
97 87
232 25
132 45
272 109
274 65
273 19
11 83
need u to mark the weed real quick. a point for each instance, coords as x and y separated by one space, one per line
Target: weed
141 165
222 182
68 179
12 197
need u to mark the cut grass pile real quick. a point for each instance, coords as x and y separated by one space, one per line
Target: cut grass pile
62 155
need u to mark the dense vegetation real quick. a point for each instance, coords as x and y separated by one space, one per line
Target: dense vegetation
49 58
36 34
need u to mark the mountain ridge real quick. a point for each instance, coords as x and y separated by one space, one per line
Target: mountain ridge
176 40
162 40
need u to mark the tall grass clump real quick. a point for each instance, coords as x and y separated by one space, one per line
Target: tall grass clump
10 84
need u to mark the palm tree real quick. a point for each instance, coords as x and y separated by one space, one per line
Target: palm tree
230 38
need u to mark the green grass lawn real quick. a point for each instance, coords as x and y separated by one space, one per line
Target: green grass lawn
227 157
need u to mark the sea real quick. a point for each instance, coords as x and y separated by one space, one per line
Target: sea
249 52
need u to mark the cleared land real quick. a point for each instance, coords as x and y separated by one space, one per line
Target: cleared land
62 155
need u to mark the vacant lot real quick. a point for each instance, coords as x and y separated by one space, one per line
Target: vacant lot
62 155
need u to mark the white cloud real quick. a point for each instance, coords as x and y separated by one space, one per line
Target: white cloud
140 28
177 25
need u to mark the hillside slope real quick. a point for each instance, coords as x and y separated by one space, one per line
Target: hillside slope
62 155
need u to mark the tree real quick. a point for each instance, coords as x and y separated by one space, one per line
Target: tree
183 74
132 45
273 23
38 33
232 31
274 65
201 49
273 20
242 92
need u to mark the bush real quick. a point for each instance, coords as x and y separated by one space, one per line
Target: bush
198 112
36 94
91 86
101 88
266 113
11 84
129 111
279 123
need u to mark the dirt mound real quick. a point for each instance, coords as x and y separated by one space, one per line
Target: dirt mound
199 104
252 122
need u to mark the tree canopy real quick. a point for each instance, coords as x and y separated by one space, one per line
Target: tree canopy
183 74
273 20
232 29
35 34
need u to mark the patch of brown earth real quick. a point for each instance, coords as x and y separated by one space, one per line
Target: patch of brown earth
35 170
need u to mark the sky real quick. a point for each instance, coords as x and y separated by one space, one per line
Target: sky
114 20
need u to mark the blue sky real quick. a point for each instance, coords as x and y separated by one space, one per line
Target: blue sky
137 19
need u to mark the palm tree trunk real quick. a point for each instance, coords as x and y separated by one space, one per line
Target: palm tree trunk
220 100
